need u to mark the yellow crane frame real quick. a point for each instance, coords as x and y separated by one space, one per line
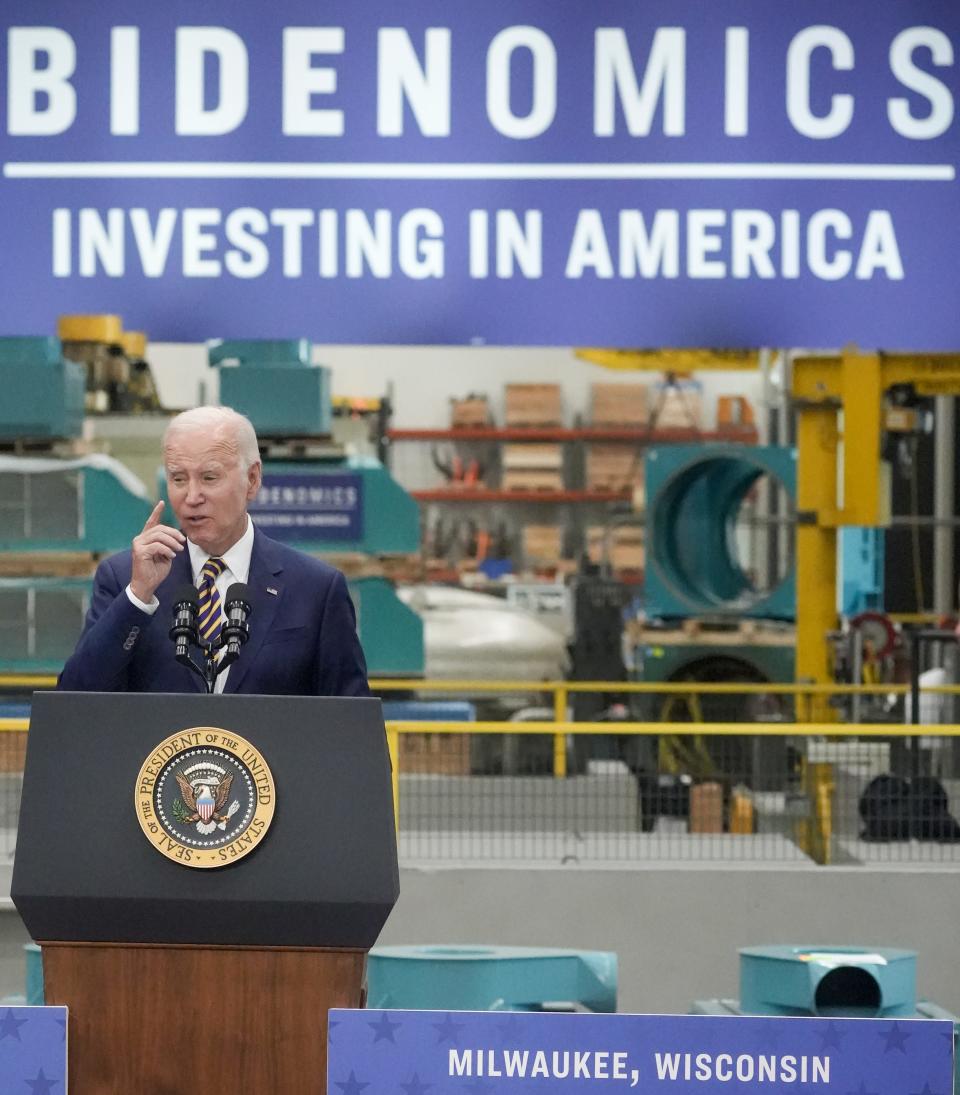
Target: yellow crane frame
840 477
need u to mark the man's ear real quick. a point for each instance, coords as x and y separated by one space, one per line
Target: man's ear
254 479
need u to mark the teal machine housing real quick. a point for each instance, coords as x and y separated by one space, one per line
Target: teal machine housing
829 981
276 385
89 507
480 978
43 392
94 506
386 521
694 493
328 504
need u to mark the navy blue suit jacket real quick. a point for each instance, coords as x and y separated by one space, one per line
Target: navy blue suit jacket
303 632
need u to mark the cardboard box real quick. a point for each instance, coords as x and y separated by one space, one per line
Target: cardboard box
533 405
706 808
734 410
540 455
532 479
612 466
532 466
542 543
619 405
436 754
621 546
472 411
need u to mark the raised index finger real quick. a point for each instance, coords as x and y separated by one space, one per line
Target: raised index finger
154 518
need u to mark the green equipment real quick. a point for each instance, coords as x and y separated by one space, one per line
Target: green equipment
695 494
92 505
317 498
480 978
336 505
43 393
275 384
40 619
829 981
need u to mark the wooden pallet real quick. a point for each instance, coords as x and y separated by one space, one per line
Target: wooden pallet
48 564
535 479
299 448
712 632
58 447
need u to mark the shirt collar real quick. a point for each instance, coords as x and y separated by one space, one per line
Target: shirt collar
236 558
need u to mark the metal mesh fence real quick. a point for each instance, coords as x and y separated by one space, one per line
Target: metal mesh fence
763 793
666 795
13 748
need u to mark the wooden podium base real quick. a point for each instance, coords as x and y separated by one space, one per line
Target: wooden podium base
156 1019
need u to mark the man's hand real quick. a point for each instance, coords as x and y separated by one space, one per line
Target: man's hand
153 553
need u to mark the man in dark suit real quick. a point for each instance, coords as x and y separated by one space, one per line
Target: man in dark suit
303 636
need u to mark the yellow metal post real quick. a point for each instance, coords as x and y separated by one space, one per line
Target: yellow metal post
816 552
559 739
816 831
393 747
862 384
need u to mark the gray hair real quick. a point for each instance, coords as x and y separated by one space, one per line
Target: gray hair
209 419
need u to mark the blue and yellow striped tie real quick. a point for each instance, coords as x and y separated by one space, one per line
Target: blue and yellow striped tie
210 617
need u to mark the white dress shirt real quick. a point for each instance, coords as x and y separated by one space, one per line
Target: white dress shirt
236 569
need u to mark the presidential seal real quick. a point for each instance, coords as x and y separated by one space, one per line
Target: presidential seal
205 797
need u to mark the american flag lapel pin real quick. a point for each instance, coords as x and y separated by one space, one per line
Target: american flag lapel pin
271 591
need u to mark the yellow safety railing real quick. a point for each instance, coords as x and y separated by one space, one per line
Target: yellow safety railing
562 690
818 777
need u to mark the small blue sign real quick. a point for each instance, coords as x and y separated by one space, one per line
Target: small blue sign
33 1050
310 508
482 1053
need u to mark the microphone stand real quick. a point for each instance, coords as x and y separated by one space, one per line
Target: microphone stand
233 634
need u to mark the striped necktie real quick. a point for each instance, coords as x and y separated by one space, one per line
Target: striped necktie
210 617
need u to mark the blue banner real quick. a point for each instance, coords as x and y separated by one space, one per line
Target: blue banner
305 508
483 1053
33 1050
737 173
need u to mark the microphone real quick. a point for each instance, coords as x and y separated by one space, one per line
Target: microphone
186 604
235 630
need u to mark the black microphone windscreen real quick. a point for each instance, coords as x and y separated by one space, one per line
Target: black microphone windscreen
237 592
187 594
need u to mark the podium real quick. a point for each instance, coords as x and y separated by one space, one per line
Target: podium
214 970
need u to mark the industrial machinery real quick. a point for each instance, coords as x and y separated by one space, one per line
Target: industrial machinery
43 391
318 498
695 495
276 385
61 514
829 982
842 481
118 378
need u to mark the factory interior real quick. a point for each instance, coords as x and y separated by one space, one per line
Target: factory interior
576 633
664 640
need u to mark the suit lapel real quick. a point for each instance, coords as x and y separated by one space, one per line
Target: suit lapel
265 567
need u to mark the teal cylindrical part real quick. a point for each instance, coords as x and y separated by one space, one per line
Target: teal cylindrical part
828 981
694 497
480 978
34 986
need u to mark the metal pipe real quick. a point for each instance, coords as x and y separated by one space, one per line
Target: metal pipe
856 638
944 442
